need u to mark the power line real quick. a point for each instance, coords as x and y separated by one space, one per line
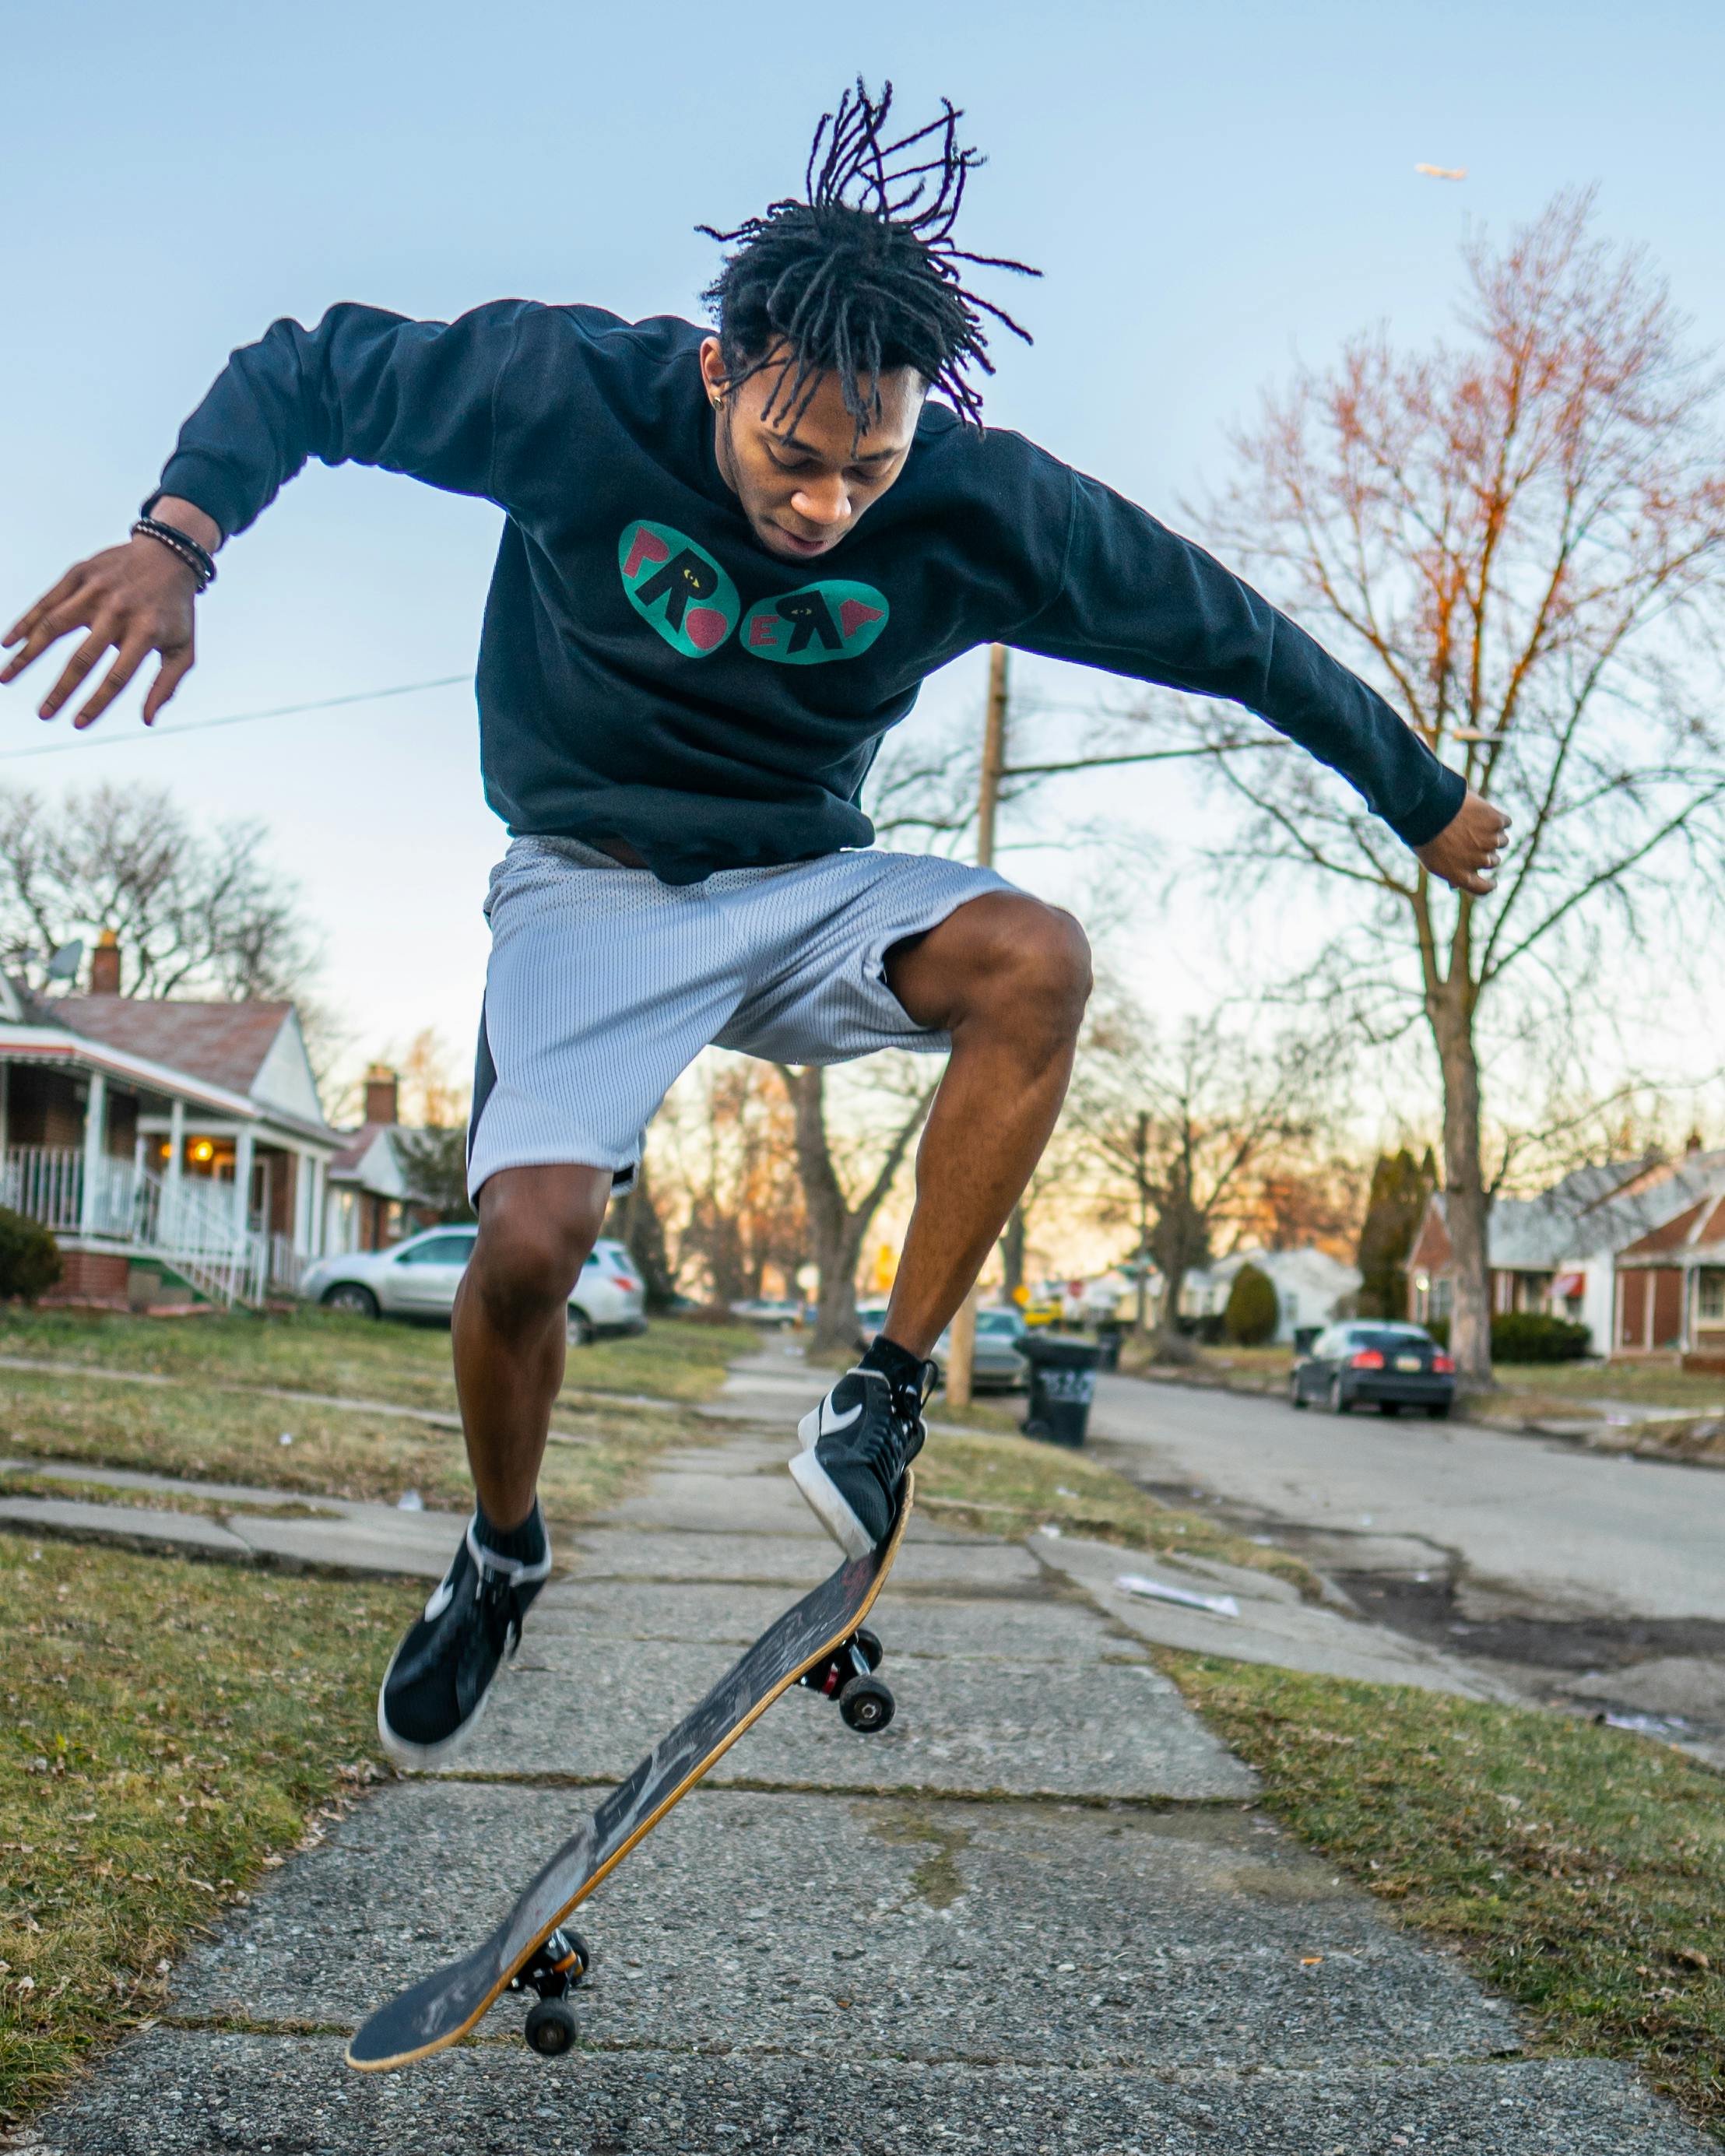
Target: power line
117 740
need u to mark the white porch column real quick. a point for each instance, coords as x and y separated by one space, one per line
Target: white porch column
171 1182
318 1240
242 1182
95 1153
302 1201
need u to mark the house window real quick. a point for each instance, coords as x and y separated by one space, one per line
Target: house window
1710 1297
1442 1292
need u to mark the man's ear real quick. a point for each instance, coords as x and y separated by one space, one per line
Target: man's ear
713 371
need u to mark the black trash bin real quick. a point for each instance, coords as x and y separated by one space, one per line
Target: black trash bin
1063 1383
1109 1337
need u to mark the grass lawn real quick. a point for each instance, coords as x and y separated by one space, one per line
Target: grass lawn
211 1424
169 1729
1581 1869
1575 1384
1007 1485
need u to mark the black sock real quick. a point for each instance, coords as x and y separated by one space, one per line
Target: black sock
525 1543
901 1370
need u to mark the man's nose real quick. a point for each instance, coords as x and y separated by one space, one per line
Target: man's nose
826 503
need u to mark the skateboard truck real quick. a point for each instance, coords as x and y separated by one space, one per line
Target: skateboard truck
848 1675
559 1964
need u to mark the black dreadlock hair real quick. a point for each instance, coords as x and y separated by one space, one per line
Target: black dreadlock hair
863 275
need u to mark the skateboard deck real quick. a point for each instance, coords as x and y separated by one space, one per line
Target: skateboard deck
817 1641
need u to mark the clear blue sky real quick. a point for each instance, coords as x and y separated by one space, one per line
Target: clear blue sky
1211 191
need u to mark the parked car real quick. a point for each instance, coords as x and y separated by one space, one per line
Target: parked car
772 1311
419 1278
997 1365
1371 1362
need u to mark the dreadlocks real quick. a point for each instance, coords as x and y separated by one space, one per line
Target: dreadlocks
862 276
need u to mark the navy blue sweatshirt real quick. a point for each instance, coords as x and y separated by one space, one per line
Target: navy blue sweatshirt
648 672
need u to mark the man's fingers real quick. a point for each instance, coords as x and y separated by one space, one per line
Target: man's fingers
176 665
131 655
48 629
76 667
45 605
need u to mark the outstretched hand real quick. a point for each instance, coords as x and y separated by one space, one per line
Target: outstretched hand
1469 847
130 600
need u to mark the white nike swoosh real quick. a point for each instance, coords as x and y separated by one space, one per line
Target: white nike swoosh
440 1601
831 1424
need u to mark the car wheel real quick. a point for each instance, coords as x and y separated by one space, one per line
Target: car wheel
1296 1398
1339 1403
1440 1412
1390 1407
349 1296
580 1327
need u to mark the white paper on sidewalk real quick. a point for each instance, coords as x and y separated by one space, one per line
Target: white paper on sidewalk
1219 1605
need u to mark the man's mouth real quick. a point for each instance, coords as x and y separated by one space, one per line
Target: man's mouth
796 545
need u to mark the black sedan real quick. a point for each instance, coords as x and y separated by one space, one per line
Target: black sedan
1371 1362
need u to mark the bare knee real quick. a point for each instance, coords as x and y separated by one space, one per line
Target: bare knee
537 1226
1034 972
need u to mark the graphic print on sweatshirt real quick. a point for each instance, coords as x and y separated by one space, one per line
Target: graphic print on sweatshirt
833 620
677 587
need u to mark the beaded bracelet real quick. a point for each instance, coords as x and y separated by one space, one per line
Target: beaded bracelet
182 544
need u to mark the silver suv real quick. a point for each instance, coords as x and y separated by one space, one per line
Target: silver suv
419 1278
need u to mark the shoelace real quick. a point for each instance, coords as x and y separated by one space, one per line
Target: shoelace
900 1434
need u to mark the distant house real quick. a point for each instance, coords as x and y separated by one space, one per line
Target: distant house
172 1146
374 1198
1564 1253
1671 1281
1310 1287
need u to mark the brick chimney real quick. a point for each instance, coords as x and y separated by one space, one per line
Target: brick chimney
104 965
381 1095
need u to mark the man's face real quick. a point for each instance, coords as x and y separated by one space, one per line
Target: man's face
803 485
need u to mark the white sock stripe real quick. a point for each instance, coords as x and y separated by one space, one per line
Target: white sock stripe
515 1569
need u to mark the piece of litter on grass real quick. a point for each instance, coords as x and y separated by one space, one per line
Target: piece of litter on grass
1050 1530
1309 1961
1062 1491
410 1501
1218 1606
1265 1541
286 1438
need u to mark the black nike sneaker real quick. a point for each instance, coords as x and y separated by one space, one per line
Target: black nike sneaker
856 1446
439 1677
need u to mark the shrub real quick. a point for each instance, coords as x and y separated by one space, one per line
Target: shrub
1252 1311
1525 1336
29 1257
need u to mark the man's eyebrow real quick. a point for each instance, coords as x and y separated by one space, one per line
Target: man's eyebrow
808 449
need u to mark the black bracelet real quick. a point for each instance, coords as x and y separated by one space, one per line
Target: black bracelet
194 557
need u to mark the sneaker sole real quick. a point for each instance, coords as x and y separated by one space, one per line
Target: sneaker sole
827 1502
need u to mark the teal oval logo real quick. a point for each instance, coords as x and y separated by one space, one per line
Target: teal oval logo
806 628
677 588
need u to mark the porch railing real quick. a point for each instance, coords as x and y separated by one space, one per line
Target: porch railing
181 1223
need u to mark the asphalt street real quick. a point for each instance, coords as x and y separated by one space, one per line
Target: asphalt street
1527 1525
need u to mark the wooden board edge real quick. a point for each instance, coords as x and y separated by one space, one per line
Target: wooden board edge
597 1879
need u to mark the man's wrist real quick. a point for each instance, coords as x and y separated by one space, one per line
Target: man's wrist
187 517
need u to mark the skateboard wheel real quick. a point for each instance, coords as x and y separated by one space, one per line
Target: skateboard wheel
866 1704
873 1653
551 2028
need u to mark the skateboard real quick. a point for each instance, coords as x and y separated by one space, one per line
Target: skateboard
820 1643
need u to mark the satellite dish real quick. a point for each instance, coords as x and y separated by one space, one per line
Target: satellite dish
63 965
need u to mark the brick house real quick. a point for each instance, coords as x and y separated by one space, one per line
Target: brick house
171 1145
1670 1282
1558 1255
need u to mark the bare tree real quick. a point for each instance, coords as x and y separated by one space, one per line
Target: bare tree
838 1223
723 1157
196 912
1186 1133
1519 537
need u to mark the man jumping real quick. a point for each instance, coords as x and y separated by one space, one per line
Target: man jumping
728 562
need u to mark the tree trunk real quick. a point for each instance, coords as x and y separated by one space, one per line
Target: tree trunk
1012 1255
638 1227
1466 1206
835 1227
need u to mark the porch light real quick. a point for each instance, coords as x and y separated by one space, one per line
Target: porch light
204 1150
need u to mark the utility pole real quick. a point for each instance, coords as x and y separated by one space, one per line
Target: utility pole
962 1357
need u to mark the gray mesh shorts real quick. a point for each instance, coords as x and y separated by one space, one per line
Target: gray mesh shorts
604 984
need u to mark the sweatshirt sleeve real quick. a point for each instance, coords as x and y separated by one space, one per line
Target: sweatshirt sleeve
364 386
1137 599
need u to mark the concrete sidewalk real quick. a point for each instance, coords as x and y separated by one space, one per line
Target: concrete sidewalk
1038 1913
